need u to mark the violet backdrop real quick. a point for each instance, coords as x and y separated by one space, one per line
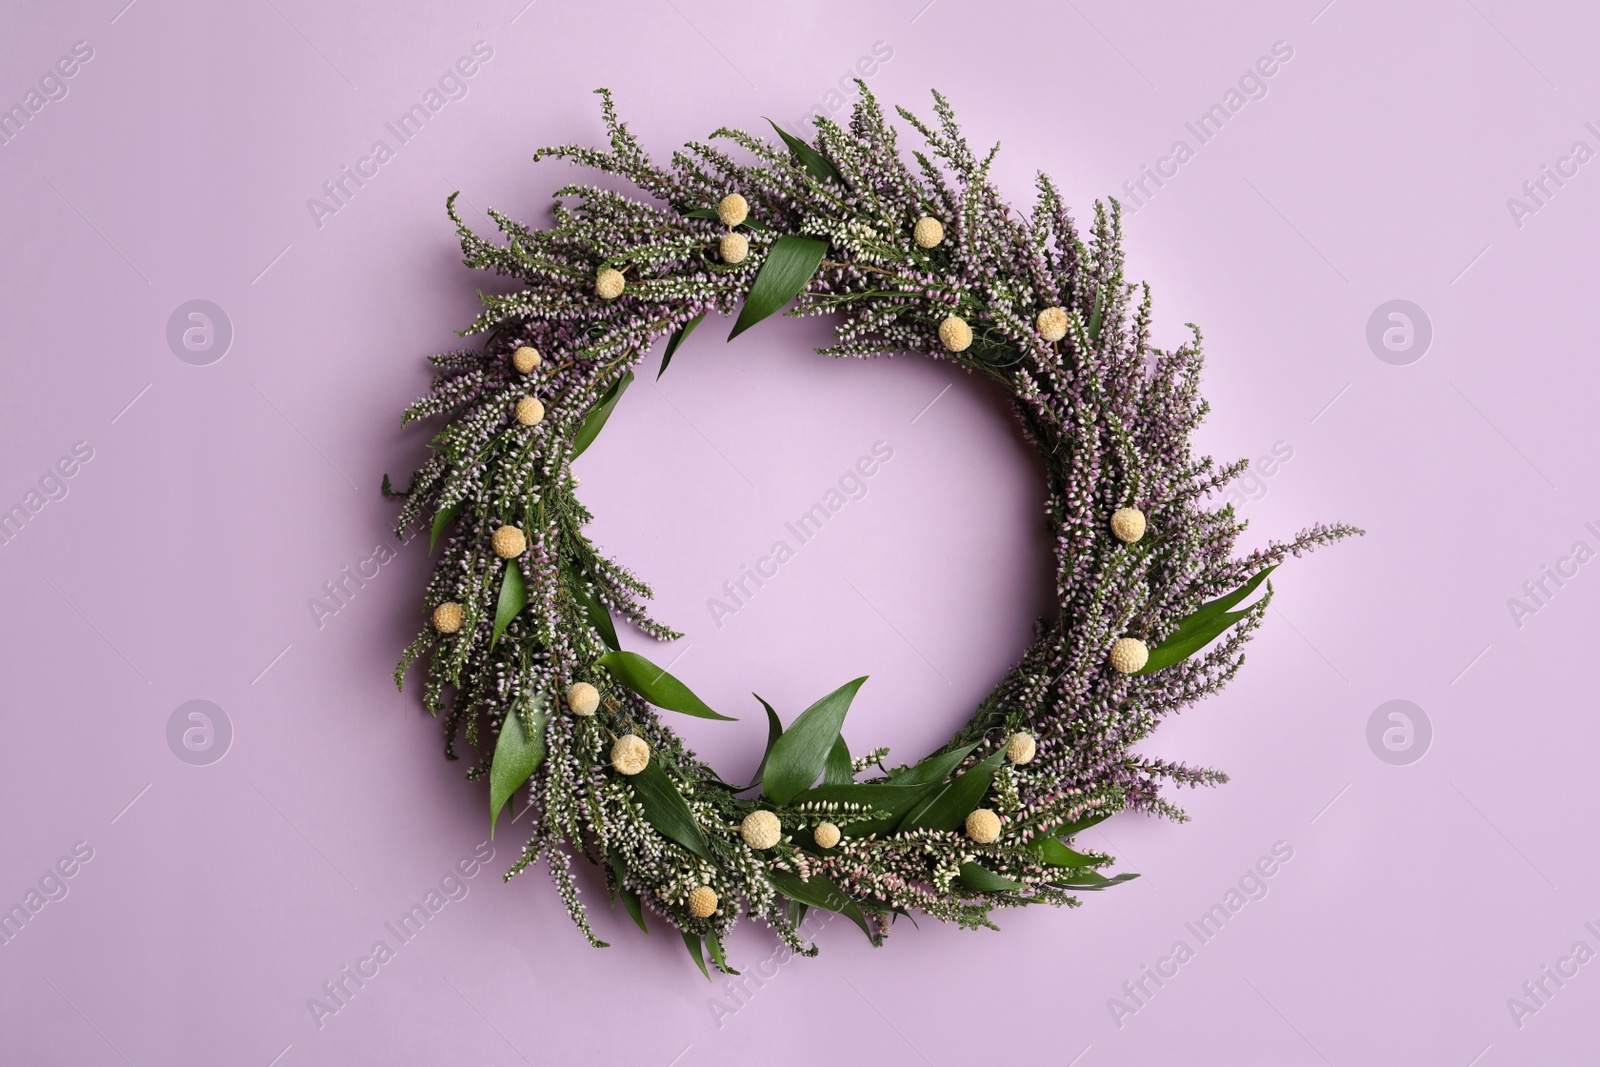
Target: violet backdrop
1425 152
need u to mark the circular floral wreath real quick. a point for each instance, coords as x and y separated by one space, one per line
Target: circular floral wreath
525 664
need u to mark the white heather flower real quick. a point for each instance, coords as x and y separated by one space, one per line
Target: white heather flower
702 902
733 209
1020 748
608 284
733 248
826 835
529 411
525 359
583 698
1052 324
760 829
955 334
928 232
629 754
508 542
983 826
1129 654
447 617
1127 524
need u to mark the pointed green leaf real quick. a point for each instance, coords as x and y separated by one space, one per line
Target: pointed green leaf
656 685
986 881
800 755
947 808
513 598
1072 829
600 619
774 731
680 335
702 213
1053 852
441 522
934 769
1095 319
666 810
790 263
517 754
1093 882
819 892
813 162
596 419
714 943
839 769
796 912
692 943
1206 624
631 901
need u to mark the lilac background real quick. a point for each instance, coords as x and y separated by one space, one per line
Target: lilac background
220 498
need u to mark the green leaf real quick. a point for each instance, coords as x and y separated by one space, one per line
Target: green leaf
818 892
513 598
947 808
1205 625
839 768
630 900
934 769
692 943
790 263
1072 829
1095 318
656 685
441 522
900 793
517 754
986 881
680 335
796 912
714 943
1053 852
702 213
774 731
798 757
813 162
600 619
596 419
1095 882
666 810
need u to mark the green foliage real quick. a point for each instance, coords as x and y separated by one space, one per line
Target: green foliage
1204 626
656 685
800 755
517 754
790 263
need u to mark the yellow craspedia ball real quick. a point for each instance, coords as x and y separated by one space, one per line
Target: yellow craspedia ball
608 284
983 826
928 232
1021 748
583 699
760 829
447 617
1128 655
1052 324
1127 524
702 902
508 542
529 411
955 334
525 359
733 209
629 754
733 248
826 835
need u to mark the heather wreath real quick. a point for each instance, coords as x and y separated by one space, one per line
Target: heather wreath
523 660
